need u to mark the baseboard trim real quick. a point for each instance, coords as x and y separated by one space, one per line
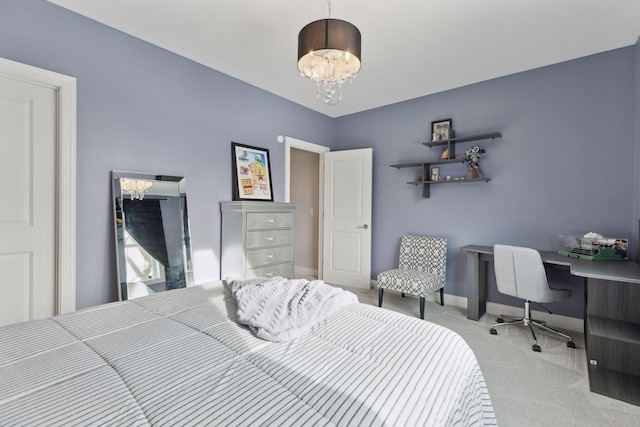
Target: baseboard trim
557 321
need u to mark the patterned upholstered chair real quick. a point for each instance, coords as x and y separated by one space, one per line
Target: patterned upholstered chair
421 269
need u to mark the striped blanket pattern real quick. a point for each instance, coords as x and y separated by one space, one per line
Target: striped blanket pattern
180 358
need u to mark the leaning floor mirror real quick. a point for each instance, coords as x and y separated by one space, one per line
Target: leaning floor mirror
153 245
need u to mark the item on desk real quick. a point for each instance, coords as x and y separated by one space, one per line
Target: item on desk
593 235
593 248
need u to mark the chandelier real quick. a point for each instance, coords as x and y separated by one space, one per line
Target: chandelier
135 187
329 54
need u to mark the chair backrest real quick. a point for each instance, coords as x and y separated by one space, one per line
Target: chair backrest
422 253
520 273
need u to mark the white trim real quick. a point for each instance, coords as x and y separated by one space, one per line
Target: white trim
494 309
65 87
314 148
290 143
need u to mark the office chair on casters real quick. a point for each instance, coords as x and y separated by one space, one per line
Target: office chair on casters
520 273
421 269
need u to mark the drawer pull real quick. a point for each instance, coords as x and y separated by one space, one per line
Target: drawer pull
271 256
272 238
270 274
272 221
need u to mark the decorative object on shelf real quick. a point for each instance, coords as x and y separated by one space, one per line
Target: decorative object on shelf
435 174
472 156
135 188
251 179
329 54
445 154
442 130
420 178
448 178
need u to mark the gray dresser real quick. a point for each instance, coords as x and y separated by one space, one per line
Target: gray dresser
257 239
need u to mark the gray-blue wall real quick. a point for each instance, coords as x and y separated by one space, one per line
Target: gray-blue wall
566 163
143 109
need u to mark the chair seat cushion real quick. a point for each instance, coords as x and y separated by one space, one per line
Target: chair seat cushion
411 282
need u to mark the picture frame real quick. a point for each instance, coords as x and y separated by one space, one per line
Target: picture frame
251 173
442 130
435 174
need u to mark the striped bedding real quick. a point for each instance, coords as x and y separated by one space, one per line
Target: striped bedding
180 358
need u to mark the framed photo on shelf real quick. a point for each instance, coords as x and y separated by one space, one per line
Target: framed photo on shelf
435 174
251 173
441 130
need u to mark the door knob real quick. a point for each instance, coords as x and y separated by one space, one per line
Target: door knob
364 226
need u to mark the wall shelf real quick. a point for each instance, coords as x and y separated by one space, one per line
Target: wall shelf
450 144
479 137
453 181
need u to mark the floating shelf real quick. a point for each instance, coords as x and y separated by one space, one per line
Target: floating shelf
451 147
491 135
428 162
453 181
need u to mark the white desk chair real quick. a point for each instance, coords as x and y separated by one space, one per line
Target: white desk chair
422 268
520 273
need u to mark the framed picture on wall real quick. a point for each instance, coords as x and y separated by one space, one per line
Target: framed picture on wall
435 174
441 130
251 173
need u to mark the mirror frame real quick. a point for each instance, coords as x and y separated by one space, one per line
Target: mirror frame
119 222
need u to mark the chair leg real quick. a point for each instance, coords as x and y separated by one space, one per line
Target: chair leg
442 297
422 308
380 292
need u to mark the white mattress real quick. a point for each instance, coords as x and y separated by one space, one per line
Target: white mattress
179 358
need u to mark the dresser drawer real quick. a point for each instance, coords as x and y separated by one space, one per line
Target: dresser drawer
259 257
284 270
264 239
266 220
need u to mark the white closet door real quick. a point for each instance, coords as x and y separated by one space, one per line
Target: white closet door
27 201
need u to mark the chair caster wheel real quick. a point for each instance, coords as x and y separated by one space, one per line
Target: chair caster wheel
571 344
493 331
500 320
536 347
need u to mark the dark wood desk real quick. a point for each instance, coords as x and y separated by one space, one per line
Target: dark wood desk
611 318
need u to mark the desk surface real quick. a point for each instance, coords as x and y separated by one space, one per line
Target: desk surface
620 271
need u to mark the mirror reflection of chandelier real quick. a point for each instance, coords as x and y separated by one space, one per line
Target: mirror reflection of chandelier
329 54
135 187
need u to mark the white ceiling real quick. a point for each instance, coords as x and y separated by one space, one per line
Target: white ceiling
410 48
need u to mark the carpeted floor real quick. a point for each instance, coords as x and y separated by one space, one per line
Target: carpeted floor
550 388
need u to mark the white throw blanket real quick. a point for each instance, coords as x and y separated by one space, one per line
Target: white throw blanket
279 309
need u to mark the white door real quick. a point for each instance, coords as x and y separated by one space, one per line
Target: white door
28 137
347 217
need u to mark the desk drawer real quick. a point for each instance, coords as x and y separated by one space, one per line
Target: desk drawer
265 239
260 257
284 270
267 220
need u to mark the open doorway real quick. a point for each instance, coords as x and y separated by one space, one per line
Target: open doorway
304 188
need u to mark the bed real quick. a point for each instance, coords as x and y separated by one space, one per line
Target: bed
180 358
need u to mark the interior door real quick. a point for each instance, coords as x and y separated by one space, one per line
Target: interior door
28 115
347 217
